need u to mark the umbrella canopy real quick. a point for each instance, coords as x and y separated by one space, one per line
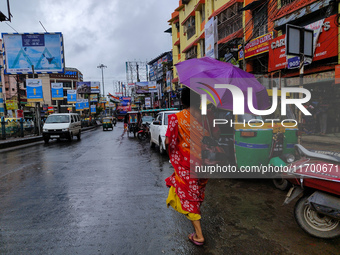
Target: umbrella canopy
201 75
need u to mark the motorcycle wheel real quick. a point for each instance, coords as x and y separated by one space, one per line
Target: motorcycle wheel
142 136
314 223
281 184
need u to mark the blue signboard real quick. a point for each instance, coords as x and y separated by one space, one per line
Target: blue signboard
57 91
79 105
93 109
71 96
34 90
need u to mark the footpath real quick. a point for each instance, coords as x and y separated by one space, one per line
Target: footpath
18 141
315 142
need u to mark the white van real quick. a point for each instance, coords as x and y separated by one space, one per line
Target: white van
62 125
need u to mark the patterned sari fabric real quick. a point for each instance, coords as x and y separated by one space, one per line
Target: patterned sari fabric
185 134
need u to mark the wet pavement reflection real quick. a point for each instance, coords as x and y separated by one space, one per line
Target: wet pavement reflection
106 194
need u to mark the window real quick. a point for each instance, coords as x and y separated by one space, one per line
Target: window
190 27
260 17
192 53
229 21
203 13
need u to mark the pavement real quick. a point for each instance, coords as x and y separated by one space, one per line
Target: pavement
310 141
18 141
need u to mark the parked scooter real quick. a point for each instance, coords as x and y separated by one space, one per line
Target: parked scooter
317 177
144 133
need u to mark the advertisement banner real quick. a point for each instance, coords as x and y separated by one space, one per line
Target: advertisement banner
168 81
326 46
57 91
95 87
34 90
93 109
84 87
86 104
11 104
257 46
152 85
148 102
210 37
142 87
71 96
79 105
93 98
43 51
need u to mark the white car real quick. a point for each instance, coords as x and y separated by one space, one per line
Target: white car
158 129
62 125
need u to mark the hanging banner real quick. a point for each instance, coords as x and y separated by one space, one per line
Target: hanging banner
210 29
86 104
148 102
93 109
43 51
168 81
34 90
71 96
79 105
57 91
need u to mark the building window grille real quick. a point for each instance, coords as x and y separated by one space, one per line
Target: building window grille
260 17
229 21
286 2
190 27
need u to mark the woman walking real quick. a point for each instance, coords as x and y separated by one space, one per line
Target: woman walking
183 137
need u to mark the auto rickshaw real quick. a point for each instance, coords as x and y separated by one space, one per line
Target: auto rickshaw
107 123
250 141
134 118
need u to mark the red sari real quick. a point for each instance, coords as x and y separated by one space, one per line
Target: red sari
185 134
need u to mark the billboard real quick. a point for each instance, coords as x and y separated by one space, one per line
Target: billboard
43 51
95 87
84 87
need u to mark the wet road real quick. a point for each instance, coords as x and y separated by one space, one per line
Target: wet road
105 194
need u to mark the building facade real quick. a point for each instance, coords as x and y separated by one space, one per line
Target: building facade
251 34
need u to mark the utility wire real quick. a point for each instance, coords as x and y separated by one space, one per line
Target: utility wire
11 27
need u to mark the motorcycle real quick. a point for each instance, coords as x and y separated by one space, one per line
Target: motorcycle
317 177
144 133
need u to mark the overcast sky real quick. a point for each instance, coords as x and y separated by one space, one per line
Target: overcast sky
108 32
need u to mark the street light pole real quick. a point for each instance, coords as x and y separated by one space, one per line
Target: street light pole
101 66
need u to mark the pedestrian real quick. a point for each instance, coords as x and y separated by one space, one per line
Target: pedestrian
126 121
322 115
183 140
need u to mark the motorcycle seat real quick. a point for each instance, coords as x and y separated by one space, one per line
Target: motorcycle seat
303 151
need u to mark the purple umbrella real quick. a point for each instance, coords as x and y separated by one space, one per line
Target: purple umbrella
201 75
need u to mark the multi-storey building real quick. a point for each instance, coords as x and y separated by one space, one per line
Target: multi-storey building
251 34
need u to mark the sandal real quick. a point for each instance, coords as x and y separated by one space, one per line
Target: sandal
191 238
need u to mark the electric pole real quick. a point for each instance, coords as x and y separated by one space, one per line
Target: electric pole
101 66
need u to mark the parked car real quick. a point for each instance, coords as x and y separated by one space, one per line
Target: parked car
158 129
62 125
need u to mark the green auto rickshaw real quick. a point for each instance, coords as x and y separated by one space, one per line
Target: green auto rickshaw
107 123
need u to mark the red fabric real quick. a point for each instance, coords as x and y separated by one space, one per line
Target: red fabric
189 190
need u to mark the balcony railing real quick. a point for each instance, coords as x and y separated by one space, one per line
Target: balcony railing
286 2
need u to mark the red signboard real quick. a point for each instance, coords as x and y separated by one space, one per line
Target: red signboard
327 46
258 45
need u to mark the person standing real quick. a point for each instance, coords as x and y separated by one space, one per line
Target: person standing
322 116
183 140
